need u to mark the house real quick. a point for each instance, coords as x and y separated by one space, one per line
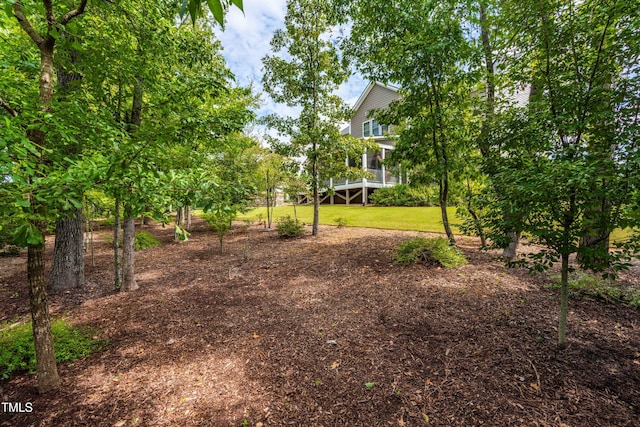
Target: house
348 192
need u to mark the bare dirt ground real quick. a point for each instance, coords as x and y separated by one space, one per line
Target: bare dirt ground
327 331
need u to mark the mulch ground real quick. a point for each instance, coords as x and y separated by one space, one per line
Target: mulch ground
327 331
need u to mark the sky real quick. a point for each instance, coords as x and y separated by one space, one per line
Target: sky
246 41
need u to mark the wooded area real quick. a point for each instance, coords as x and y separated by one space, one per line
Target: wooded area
522 114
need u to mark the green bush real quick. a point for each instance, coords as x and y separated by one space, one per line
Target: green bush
435 251
10 251
340 222
143 240
17 351
405 195
585 284
289 227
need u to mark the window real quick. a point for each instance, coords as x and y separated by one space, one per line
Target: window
373 128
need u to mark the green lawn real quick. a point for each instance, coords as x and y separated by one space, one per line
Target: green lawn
394 218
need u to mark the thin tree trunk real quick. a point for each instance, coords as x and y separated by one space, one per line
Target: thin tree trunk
511 250
179 222
188 217
48 378
316 197
68 254
564 298
295 211
47 371
444 195
128 251
116 250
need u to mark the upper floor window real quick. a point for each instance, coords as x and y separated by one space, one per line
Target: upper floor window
373 128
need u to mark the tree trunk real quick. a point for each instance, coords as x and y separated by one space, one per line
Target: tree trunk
46 368
564 297
444 195
316 197
594 249
128 251
188 217
47 371
116 249
179 222
477 225
68 254
511 250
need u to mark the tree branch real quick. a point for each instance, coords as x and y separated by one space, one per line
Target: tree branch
8 108
24 23
70 15
48 9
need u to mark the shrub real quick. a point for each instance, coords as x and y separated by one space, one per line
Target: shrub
405 195
340 222
10 251
143 240
17 351
581 284
435 251
289 228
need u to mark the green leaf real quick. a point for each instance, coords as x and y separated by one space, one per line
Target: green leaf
194 8
23 203
28 235
8 9
369 385
54 33
238 4
183 8
217 10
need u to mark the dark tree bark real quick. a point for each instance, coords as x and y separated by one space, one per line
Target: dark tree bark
68 254
48 378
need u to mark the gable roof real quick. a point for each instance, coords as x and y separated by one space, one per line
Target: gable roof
368 89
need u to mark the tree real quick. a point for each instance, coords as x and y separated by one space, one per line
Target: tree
425 49
307 79
562 155
217 7
34 230
32 150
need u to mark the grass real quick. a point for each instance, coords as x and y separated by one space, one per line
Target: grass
391 218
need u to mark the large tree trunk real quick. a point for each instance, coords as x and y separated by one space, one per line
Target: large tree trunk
128 251
68 254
